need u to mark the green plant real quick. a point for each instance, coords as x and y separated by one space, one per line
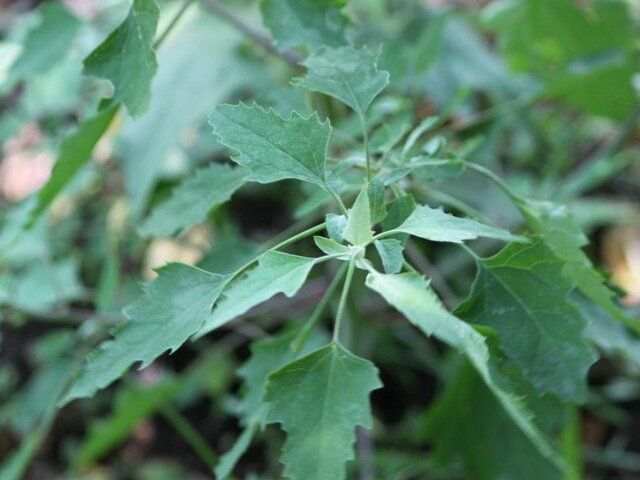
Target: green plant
519 345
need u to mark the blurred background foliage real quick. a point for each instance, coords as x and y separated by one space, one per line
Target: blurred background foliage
544 92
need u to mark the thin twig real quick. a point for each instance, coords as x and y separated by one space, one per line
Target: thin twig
174 21
257 36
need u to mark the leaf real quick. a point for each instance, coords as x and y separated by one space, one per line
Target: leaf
346 73
335 225
276 272
132 404
358 229
192 200
437 226
75 151
320 439
46 43
376 201
390 133
409 293
174 307
272 147
266 356
390 251
127 59
565 239
467 422
305 23
520 292
331 247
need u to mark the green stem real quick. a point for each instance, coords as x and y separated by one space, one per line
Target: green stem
336 197
497 180
190 434
365 139
343 298
304 334
174 21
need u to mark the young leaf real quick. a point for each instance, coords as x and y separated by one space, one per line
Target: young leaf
521 293
276 272
305 23
272 147
565 239
175 306
127 59
331 247
409 293
192 200
376 201
320 439
348 74
358 229
435 225
75 151
335 225
390 251
46 43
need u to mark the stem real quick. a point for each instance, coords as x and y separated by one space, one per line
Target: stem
291 57
497 180
336 197
304 334
365 139
176 18
190 434
343 298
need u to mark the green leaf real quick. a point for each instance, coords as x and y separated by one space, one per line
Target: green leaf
390 251
127 59
358 229
331 247
132 404
47 43
231 457
521 293
175 306
276 272
346 73
320 439
409 293
376 201
335 225
270 145
192 200
390 133
75 151
565 239
435 225
467 422
305 23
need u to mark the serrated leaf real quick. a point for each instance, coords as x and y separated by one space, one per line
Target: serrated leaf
75 151
435 225
521 293
358 229
192 200
174 307
390 251
320 439
351 75
127 59
468 423
273 148
559 232
409 293
47 42
376 201
305 23
335 225
276 272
